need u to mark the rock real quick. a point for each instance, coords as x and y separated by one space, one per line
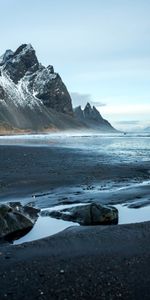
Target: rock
20 62
28 210
6 56
139 204
15 218
48 87
51 69
2 93
78 112
90 214
91 118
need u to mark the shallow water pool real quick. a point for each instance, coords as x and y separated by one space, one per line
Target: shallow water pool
47 226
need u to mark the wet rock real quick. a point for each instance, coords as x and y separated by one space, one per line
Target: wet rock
16 218
90 214
139 204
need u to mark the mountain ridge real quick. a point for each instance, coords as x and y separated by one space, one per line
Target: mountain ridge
33 97
92 118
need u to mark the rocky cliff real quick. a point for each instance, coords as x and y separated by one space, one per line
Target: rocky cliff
92 119
32 97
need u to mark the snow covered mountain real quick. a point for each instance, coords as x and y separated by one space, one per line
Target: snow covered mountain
34 97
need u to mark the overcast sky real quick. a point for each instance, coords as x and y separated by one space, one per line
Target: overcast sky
100 48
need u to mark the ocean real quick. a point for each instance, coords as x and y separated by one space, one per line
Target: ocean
49 170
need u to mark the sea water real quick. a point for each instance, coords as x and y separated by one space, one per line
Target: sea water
116 147
110 148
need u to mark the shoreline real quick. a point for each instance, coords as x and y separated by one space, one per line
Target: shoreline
98 262
60 171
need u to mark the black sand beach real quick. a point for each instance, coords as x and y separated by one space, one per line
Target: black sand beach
80 263
36 171
98 262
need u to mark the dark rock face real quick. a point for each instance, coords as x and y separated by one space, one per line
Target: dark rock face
49 87
91 118
32 96
2 93
6 56
15 218
20 62
90 214
41 81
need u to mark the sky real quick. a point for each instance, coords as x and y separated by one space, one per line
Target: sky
100 48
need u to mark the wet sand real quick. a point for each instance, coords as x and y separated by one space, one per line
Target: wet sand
53 175
80 263
99 262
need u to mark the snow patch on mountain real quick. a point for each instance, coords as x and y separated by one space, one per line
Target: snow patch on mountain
18 94
34 97
6 56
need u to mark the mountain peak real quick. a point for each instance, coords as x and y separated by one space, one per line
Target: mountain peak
22 60
88 109
24 48
92 118
78 112
88 106
32 96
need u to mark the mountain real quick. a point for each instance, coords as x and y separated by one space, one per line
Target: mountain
33 98
91 118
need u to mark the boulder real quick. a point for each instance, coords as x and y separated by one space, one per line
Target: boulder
90 214
15 218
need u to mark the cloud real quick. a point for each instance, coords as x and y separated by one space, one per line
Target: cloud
130 122
126 110
82 99
98 103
